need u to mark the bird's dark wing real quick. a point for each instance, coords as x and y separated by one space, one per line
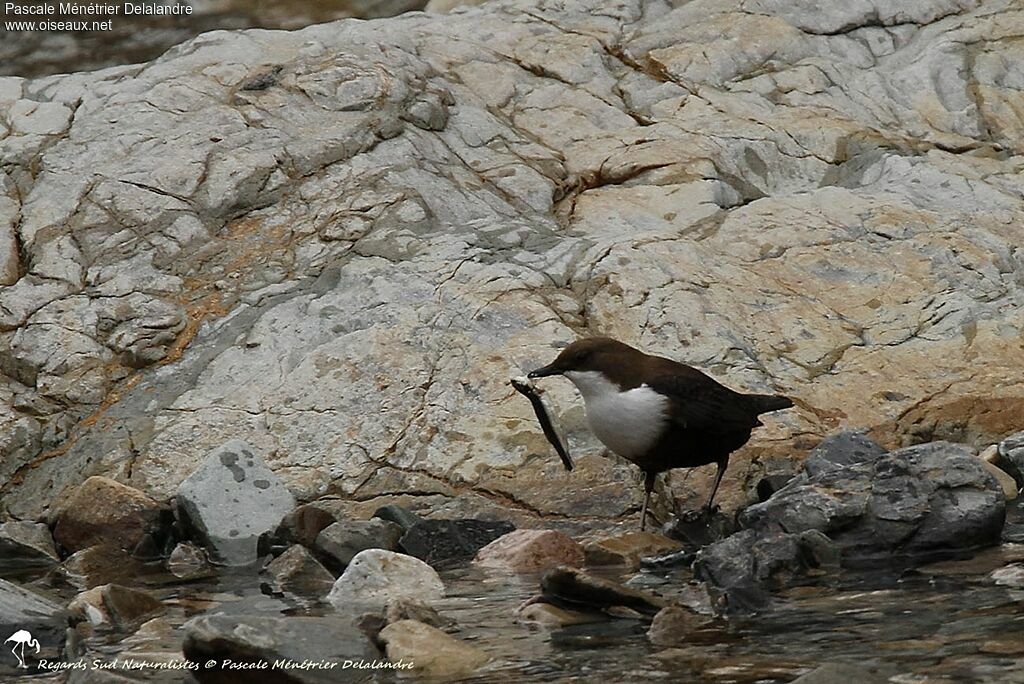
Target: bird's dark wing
700 403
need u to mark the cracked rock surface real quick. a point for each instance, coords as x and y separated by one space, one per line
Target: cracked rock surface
338 243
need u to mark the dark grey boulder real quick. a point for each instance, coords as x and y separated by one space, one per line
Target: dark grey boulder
742 569
231 500
338 543
25 544
845 448
930 498
262 639
443 543
32 620
398 515
1011 457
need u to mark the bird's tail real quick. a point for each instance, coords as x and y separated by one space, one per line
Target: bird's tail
769 402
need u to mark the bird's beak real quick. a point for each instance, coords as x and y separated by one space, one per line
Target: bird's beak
544 372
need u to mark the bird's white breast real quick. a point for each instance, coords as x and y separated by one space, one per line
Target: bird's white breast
629 422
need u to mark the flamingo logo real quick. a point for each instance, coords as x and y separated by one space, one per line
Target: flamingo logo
22 638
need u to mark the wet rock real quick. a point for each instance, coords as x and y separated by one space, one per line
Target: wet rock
114 606
675 626
432 652
27 615
930 498
840 673
339 542
1009 576
231 500
1011 457
377 576
695 529
444 543
627 549
742 568
841 449
550 616
297 571
252 638
103 511
575 589
398 515
530 551
25 544
188 561
100 564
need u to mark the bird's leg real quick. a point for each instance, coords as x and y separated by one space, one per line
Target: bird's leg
648 488
722 465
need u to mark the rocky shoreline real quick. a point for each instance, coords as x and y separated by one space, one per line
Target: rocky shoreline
370 587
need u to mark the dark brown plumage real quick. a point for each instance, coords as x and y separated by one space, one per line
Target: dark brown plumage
659 413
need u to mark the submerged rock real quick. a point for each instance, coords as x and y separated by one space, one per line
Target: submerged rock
376 576
25 614
115 607
297 571
431 652
338 543
188 561
676 625
104 511
25 544
254 639
530 551
231 500
550 616
627 549
443 543
102 564
575 589
1011 575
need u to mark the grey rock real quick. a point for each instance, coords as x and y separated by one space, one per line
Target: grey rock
297 571
231 501
26 544
742 569
43 619
251 638
1011 457
339 542
444 543
845 448
930 498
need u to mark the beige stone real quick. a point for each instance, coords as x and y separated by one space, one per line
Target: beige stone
431 652
530 551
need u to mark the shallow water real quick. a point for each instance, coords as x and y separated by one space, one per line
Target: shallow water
945 622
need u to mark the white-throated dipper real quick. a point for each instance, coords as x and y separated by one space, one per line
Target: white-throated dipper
656 412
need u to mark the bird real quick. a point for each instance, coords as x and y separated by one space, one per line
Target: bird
658 413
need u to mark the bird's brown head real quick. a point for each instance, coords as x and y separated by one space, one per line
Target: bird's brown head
589 354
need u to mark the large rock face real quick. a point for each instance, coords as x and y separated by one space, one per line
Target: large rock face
338 243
